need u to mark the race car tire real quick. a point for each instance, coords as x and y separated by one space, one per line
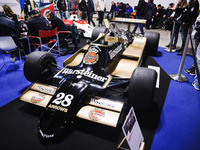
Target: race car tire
141 88
97 31
39 67
151 46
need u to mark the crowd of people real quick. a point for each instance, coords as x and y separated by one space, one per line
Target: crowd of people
183 16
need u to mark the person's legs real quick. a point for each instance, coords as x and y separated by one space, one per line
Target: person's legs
176 33
196 83
100 17
91 15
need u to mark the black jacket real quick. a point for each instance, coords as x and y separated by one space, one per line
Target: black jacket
35 24
56 22
8 27
190 13
90 6
113 8
140 8
61 6
83 5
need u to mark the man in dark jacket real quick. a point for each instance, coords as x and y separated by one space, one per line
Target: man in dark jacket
9 28
59 24
140 15
35 24
61 4
83 7
112 11
91 11
122 9
187 19
149 12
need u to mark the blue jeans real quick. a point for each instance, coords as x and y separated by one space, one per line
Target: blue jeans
198 64
63 14
176 32
138 25
184 31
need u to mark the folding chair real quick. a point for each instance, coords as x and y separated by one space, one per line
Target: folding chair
7 44
47 34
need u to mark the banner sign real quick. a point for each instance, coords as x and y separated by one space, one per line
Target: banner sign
46 8
45 2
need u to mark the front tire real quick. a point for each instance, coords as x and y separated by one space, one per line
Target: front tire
40 67
141 88
151 46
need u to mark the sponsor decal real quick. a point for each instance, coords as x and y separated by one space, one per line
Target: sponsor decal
114 52
41 88
92 56
62 101
58 108
102 103
96 114
85 73
37 98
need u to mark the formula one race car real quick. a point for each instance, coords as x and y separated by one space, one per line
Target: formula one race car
84 28
78 89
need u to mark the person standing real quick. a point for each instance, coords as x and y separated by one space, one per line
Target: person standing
61 5
178 11
90 11
72 5
197 40
83 8
149 11
187 19
112 10
140 15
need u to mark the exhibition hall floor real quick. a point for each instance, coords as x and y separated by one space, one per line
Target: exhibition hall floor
178 127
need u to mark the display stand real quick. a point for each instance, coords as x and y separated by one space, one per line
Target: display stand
169 49
122 148
179 77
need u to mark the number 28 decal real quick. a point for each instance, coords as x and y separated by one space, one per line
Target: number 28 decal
63 99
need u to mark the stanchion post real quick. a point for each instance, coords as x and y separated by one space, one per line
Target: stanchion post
179 77
169 49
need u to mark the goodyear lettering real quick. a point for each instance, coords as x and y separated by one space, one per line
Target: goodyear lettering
85 73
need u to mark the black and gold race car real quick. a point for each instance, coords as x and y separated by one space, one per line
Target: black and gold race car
80 88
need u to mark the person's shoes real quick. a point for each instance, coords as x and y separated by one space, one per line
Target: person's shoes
180 53
195 86
173 47
179 50
167 45
12 59
190 71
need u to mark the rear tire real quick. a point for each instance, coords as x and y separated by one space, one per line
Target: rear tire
141 88
39 67
151 46
97 31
